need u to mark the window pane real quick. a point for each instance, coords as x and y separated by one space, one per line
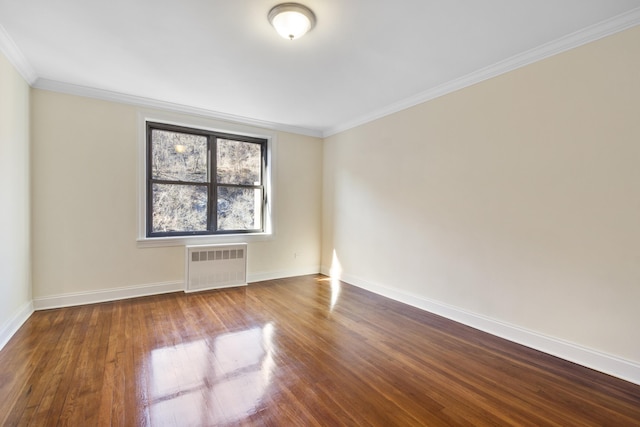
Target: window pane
179 208
239 208
178 156
239 162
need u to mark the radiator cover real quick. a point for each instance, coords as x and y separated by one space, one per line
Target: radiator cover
215 266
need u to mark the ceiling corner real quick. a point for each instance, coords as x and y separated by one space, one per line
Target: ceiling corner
16 58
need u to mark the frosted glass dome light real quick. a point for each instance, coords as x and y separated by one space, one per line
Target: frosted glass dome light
292 20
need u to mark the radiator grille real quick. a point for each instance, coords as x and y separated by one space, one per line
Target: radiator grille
215 266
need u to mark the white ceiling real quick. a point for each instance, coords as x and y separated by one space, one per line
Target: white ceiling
364 59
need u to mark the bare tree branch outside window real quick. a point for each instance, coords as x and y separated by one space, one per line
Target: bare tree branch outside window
189 168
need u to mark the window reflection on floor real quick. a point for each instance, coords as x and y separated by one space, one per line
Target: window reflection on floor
216 380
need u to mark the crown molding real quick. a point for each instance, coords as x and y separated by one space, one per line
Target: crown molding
139 101
16 58
589 34
586 35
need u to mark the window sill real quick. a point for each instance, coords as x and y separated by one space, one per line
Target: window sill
157 242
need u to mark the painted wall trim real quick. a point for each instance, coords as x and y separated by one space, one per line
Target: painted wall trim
587 35
606 363
15 56
105 295
592 33
273 275
139 101
10 327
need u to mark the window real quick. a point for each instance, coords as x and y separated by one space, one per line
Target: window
203 182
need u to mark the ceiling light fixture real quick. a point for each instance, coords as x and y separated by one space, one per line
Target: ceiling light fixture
292 20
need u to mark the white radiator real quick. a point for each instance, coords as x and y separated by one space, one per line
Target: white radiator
215 266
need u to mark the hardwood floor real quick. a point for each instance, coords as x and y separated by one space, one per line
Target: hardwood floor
291 352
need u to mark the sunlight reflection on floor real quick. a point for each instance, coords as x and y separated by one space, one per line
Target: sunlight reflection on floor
211 381
335 273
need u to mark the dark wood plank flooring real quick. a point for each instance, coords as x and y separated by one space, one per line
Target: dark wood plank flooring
291 352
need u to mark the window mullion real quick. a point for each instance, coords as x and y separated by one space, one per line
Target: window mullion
254 187
161 181
213 188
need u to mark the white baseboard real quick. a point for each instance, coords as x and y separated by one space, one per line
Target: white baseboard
609 364
13 324
105 295
236 285
273 275
606 363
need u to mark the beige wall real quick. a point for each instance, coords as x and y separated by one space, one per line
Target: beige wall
517 199
85 203
15 282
